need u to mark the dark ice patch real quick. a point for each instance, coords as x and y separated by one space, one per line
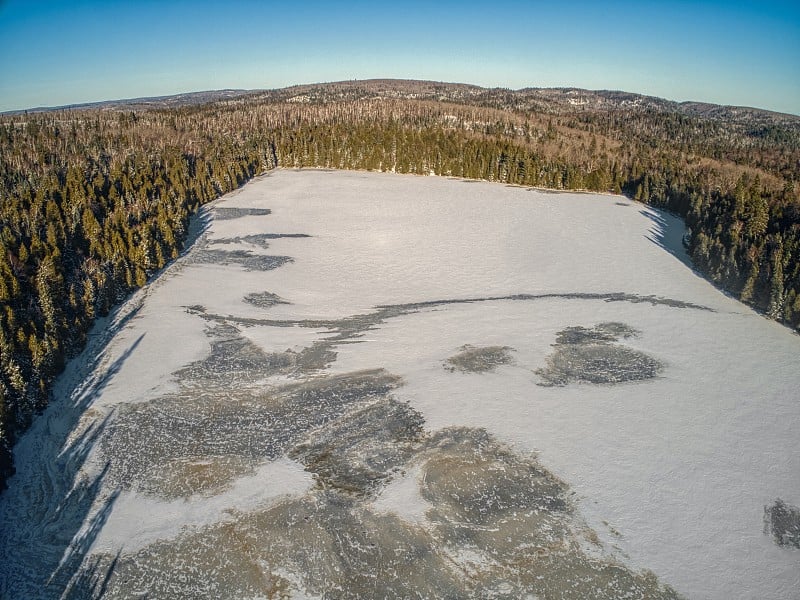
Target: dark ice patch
225 213
472 359
245 258
259 239
592 356
470 478
235 359
323 545
604 332
783 522
359 453
500 526
264 299
217 429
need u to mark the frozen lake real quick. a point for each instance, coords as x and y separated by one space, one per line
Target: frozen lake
373 385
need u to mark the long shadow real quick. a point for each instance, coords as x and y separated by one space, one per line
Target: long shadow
92 580
79 503
52 512
87 391
668 234
198 225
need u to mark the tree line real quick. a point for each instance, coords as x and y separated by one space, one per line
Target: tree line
94 202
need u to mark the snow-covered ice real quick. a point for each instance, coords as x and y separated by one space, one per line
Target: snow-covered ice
279 411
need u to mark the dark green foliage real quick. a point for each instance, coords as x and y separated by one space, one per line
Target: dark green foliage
92 202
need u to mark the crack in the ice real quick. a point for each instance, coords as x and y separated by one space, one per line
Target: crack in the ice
349 327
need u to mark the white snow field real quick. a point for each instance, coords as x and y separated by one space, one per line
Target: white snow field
360 385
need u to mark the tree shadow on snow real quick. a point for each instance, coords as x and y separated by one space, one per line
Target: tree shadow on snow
92 580
668 233
55 510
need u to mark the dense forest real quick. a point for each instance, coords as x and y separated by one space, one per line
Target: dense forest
94 201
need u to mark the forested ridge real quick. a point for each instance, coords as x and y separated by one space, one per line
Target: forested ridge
94 201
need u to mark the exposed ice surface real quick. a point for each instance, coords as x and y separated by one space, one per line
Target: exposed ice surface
363 384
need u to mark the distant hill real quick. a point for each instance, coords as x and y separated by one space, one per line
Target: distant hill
552 100
548 100
172 101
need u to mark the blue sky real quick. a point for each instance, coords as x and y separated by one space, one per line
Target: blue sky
63 52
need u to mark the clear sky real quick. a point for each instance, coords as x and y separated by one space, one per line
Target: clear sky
727 52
